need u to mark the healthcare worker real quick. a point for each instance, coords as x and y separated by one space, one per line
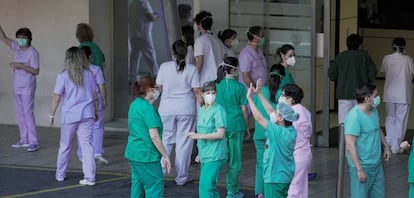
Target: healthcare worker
271 92
229 38
76 88
231 95
278 160
411 171
98 128
140 21
144 149
363 138
253 64
25 69
292 96
84 34
208 49
180 87
211 142
399 69
286 54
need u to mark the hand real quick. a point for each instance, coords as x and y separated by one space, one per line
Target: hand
51 121
259 86
193 135
13 65
247 137
197 159
387 153
250 91
362 175
167 164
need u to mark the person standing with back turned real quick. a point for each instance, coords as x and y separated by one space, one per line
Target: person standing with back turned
350 69
25 69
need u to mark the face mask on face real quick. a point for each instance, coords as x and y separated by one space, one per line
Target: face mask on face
272 117
291 61
262 42
209 98
234 43
281 99
377 102
21 42
155 94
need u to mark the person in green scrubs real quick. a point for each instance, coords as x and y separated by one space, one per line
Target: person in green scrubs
84 34
411 171
363 138
231 95
278 160
286 54
211 141
272 91
145 149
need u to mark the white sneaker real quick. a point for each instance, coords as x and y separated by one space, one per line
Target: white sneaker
86 182
101 160
60 179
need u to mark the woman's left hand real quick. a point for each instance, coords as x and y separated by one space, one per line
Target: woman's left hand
167 164
193 135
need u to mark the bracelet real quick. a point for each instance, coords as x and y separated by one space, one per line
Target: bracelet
51 116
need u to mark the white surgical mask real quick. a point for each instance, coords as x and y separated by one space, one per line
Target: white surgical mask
21 42
377 102
272 117
281 99
234 43
209 98
291 61
155 94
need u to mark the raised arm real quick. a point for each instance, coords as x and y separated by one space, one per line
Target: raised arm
256 113
266 104
4 38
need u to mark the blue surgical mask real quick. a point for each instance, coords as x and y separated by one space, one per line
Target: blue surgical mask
377 102
21 42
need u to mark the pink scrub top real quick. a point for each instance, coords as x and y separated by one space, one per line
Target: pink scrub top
24 83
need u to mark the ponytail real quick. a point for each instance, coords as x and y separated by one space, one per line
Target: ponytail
276 75
180 52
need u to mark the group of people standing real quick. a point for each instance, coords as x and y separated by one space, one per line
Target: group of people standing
354 72
81 89
208 98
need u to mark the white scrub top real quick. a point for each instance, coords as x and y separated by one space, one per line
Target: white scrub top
398 70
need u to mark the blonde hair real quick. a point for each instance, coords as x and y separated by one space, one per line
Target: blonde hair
75 63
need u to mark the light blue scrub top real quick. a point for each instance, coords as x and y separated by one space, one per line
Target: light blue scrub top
278 160
208 122
231 94
367 130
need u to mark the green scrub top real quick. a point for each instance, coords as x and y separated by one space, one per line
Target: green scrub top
208 122
141 117
98 58
278 160
259 131
367 130
288 79
231 94
411 164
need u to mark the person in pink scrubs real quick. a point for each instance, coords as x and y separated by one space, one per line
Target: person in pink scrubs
98 128
25 69
76 87
292 95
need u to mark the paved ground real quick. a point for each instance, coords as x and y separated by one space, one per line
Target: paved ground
25 174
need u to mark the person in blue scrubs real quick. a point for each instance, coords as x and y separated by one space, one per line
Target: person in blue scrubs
363 138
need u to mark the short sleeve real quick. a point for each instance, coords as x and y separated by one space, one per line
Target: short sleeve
220 118
198 47
245 62
14 46
34 59
351 124
160 75
151 118
59 85
99 77
243 98
195 80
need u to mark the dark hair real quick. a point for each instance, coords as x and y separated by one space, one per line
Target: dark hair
84 32
254 30
293 91
87 50
226 34
188 34
139 88
276 74
222 70
184 11
283 50
398 44
180 52
205 19
25 32
209 86
288 123
353 41
363 91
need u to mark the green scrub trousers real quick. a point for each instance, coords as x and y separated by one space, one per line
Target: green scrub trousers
234 159
276 190
209 176
372 188
147 179
259 184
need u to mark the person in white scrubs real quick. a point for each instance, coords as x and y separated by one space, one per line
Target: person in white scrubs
398 68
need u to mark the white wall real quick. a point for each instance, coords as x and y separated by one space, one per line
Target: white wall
53 25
